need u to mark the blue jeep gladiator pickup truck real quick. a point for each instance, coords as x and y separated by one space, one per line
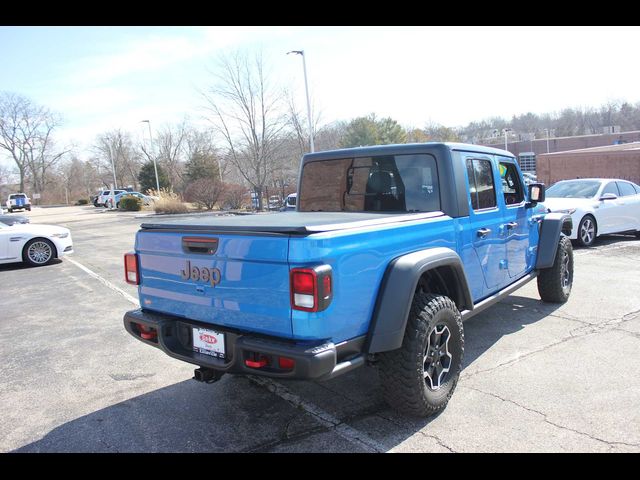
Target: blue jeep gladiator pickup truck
389 250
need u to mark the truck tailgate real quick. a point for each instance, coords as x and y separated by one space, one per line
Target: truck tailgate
235 281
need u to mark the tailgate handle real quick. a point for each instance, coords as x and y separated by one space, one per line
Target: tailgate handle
203 245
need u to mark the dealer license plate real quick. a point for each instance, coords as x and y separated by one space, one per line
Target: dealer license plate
208 342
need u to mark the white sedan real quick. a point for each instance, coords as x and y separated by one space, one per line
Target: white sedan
33 244
597 206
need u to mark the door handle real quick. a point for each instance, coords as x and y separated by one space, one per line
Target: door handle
483 232
512 224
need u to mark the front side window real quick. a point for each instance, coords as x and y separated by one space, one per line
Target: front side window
511 185
611 187
481 185
385 183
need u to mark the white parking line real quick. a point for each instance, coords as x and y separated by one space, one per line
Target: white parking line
104 281
324 418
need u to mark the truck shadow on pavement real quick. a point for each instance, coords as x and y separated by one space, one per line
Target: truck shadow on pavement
237 415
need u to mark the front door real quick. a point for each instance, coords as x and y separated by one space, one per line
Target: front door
515 227
485 220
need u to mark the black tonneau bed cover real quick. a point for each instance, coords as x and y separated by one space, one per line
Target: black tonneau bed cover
285 223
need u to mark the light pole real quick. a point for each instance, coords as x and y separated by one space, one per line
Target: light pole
306 89
547 131
505 131
155 166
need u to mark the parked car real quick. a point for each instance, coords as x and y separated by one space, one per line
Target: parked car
13 219
33 244
529 177
146 199
18 201
274 202
289 203
597 206
104 195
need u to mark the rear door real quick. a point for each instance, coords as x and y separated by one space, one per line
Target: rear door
485 220
629 203
235 281
609 213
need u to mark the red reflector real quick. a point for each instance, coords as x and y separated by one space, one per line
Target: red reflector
326 286
148 333
131 268
303 282
286 363
261 362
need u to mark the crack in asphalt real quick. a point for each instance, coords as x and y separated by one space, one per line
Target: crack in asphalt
326 419
583 331
396 422
609 443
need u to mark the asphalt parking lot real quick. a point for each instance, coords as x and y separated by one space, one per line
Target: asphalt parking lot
537 377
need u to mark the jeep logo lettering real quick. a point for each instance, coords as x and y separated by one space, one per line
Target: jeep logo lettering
201 274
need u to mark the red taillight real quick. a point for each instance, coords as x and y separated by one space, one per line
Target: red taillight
286 363
131 268
304 289
311 288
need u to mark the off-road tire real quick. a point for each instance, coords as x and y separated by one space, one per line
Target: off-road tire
402 371
554 283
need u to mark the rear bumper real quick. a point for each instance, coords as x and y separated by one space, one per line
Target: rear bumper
320 362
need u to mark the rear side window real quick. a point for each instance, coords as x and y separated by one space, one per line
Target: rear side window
481 185
626 189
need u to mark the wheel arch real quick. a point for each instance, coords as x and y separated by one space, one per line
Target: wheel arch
55 248
436 270
553 225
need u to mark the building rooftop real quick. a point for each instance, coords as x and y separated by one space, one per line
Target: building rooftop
603 149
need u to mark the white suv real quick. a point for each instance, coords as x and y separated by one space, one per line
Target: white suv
18 201
104 196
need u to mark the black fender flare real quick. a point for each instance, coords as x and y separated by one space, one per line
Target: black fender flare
552 226
398 287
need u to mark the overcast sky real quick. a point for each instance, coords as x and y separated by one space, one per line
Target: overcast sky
100 78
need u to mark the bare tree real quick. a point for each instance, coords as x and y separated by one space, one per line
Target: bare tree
115 149
245 111
169 151
26 135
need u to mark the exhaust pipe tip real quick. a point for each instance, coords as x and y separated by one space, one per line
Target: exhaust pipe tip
207 375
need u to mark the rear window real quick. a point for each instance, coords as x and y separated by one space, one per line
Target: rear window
385 183
17 195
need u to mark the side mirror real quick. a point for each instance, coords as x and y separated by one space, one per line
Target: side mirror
536 194
608 196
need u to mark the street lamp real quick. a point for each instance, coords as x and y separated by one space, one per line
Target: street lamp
306 89
505 131
547 132
155 166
